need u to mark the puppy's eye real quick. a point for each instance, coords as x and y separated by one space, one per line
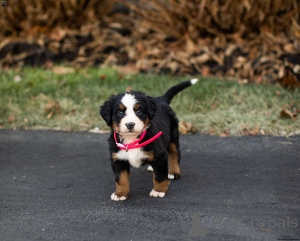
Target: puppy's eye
120 113
138 111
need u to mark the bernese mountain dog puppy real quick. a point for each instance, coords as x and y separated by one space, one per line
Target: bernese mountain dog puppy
144 130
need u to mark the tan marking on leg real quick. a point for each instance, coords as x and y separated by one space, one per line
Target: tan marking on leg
122 187
149 155
160 186
173 159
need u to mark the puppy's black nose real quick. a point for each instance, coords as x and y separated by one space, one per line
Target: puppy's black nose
130 125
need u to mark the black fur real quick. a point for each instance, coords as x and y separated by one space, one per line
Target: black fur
161 118
169 95
106 110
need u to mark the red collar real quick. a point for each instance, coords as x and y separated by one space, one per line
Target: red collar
135 144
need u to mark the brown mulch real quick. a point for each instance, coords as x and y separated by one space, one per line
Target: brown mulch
251 40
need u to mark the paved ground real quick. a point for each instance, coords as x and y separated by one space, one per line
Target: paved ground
57 186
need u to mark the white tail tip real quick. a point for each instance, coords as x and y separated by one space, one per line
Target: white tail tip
194 81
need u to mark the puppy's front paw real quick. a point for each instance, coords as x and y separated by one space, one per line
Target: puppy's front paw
116 197
154 193
173 176
150 169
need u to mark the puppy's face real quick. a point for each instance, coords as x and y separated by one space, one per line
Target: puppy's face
129 113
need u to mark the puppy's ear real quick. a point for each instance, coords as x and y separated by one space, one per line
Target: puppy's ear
106 111
151 107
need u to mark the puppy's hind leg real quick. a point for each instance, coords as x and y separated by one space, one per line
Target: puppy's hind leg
174 160
174 152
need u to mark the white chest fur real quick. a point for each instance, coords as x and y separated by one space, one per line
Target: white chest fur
134 156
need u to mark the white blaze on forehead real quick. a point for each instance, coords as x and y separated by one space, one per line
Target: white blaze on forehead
129 102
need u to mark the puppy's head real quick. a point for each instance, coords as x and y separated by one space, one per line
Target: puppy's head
129 113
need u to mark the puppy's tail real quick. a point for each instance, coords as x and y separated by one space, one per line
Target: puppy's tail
169 95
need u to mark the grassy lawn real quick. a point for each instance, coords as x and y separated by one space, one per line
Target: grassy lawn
34 98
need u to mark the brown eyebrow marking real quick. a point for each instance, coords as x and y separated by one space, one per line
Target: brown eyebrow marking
136 106
121 106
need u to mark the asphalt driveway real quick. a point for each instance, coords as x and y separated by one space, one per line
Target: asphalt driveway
57 186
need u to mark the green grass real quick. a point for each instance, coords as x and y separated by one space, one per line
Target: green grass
213 105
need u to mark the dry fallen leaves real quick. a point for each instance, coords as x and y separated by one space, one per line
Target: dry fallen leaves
102 77
209 37
212 130
61 70
254 132
214 106
186 127
11 118
52 108
50 115
128 89
289 79
289 114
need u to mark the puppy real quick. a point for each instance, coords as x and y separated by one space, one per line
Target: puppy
144 130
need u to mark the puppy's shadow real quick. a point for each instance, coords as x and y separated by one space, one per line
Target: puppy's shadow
141 181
